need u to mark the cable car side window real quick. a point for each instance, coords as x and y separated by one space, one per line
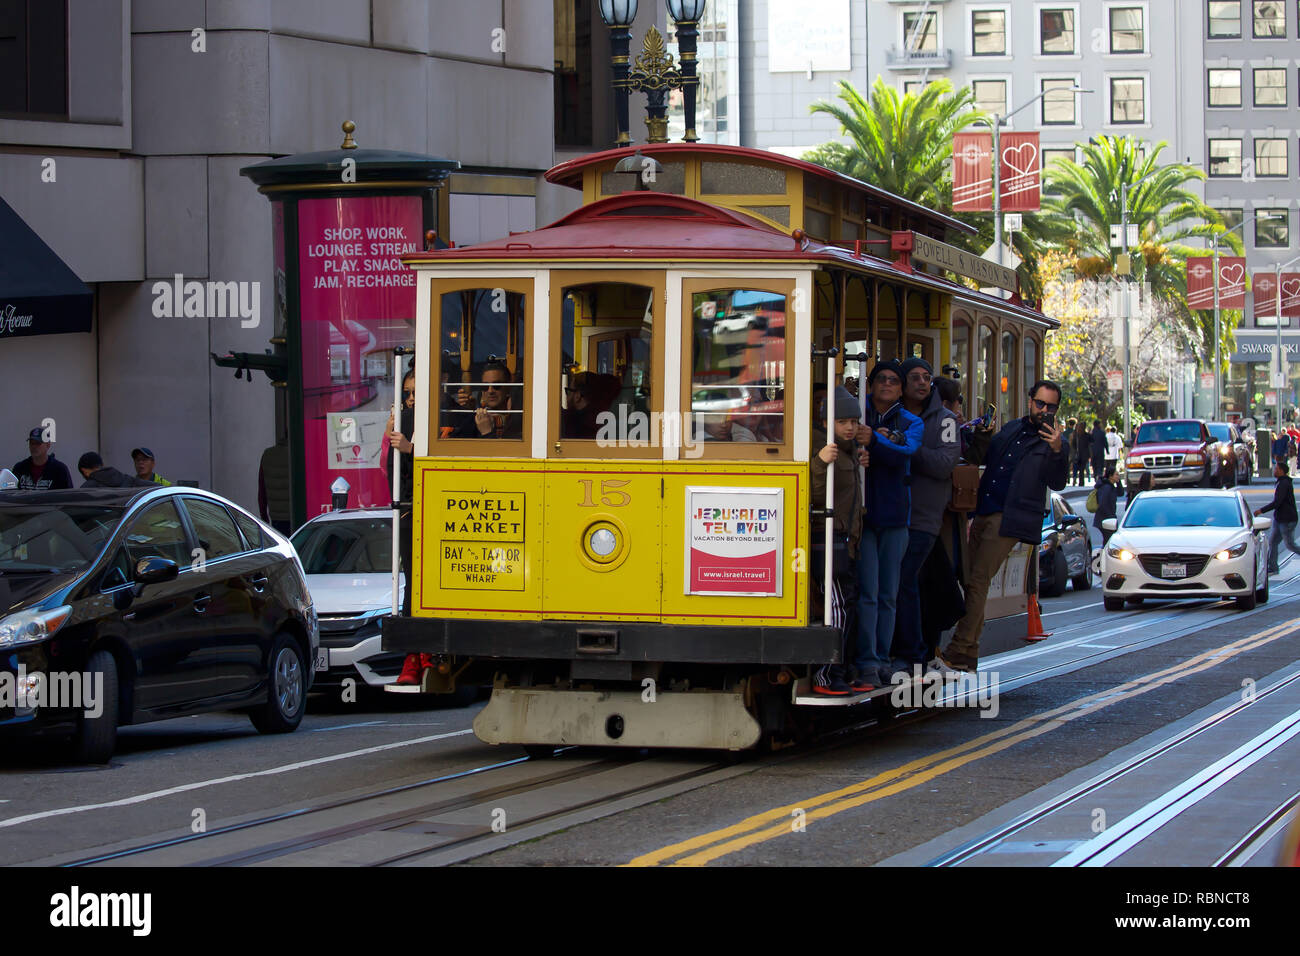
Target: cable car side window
737 366
482 393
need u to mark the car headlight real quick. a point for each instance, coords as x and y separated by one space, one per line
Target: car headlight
1194 458
1233 552
32 627
1122 554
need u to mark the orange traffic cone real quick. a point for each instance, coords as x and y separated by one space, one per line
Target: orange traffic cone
1036 632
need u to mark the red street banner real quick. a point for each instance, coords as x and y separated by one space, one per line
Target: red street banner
972 183
1265 292
1291 294
1232 282
1020 172
1200 289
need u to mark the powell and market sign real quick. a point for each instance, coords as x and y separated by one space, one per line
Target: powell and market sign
913 245
1261 346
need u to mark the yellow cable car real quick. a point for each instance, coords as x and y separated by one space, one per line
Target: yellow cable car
612 513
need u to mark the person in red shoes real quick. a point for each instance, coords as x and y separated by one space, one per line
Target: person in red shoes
400 439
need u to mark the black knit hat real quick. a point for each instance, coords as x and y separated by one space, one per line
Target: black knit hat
846 406
890 366
915 362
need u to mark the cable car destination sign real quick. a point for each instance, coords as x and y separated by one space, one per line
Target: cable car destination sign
913 245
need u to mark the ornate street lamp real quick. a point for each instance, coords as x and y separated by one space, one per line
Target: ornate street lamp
686 16
618 16
654 73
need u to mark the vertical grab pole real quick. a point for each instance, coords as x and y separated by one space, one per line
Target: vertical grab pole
828 583
396 472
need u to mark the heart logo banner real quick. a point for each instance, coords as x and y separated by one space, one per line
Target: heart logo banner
1200 288
1020 172
1291 294
1264 290
1232 282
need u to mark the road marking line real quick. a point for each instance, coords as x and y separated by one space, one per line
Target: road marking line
916 772
233 778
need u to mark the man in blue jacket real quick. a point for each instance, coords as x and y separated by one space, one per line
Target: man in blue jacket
1024 459
892 436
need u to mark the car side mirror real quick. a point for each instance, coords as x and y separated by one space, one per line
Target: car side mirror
1109 524
155 570
1261 523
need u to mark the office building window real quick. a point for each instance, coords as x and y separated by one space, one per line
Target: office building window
1058 104
573 74
921 31
1056 32
1225 87
1270 87
1127 32
1225 19
1269 17
34 58
988 32
913 87
1271 157
1051 154
1232 216
1128 100
990 95
1272 229
1225 157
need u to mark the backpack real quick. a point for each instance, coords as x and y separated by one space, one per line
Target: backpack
1092 502
965 487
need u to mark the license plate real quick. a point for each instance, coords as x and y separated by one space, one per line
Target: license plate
322 658
1173 570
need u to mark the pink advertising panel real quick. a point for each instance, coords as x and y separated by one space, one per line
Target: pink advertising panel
357 303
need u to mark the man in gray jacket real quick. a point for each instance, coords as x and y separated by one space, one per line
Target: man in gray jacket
931 485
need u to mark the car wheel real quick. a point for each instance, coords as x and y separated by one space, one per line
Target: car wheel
286 693
1113 603
1060 575
1083 582
1207 480
1246 602
1261 594
1245 473
95 738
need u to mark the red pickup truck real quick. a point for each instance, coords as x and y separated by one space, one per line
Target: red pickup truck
1178 453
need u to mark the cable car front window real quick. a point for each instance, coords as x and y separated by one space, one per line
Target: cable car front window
738 366
483 381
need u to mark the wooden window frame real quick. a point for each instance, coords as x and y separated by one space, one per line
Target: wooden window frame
569 448
479 447
740 451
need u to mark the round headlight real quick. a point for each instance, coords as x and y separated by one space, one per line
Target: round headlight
602 542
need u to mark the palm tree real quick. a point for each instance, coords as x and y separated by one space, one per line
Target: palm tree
899 143
1082 200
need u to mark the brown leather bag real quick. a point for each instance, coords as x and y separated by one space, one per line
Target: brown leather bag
965 488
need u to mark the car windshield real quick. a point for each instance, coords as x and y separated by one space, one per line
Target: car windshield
349 546
1153 432
1220 432
1168 511
36 539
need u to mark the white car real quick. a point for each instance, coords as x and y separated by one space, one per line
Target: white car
348 558
1186 543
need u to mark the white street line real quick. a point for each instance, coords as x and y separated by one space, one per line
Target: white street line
364 723
233 778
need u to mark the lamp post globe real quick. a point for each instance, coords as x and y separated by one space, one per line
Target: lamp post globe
686 11
618 13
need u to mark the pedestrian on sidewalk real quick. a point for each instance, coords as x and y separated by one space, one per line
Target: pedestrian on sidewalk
1097 448
1114 446
99 475
143 460
1082 451
1284 515
1107 498
1025 459
40 470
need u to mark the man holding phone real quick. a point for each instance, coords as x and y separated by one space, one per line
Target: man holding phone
1023 460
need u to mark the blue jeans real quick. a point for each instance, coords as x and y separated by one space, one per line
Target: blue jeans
909 646
880 559
1276 535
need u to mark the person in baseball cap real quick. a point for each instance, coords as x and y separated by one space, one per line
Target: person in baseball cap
41 471
143 459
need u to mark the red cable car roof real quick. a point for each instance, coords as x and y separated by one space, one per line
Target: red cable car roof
570 174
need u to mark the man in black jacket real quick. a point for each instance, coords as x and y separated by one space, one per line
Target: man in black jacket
99 475
1284 515
1107 501
41 471
1097 446
1024 459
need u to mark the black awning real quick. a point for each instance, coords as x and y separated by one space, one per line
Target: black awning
39 294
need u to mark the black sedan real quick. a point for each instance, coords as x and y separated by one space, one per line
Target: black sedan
123 606
1066 552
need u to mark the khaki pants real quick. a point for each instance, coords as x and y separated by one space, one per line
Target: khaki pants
987 550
